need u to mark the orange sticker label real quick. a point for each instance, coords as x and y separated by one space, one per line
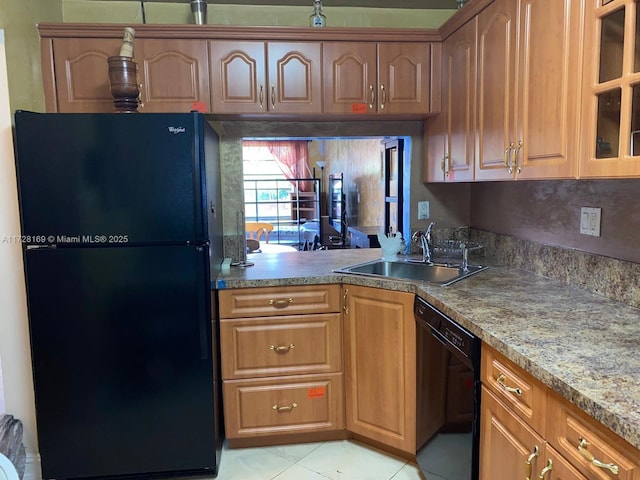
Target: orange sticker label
199 106
358 108
316 392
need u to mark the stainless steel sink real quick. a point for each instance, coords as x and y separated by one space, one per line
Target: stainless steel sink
435 273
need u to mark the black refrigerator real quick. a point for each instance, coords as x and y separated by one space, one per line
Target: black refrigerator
121 232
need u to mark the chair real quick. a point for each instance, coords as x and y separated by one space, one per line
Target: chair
256 229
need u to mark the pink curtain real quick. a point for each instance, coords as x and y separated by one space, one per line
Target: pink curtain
292 156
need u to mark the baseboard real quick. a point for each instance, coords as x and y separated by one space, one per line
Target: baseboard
32 470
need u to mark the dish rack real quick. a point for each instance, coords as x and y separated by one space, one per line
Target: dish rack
453 249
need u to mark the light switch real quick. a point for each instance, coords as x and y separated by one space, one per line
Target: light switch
590 221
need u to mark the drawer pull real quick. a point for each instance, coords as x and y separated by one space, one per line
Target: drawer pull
530 459
546 469
502 382
281 302
612 467
286 408
345 307
282 348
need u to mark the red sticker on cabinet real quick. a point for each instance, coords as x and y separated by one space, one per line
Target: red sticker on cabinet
199 106
358 108
316 392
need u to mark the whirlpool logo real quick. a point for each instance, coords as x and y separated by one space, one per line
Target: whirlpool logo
176 130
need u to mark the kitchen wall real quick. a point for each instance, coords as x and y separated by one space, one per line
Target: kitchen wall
549 212
222 14
18 18
16 378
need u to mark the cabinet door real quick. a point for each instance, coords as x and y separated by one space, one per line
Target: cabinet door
459 103
238 77
82 74
404 78
497 25
380 366
548 76
294 77
560 468
349 72
508 447
174 74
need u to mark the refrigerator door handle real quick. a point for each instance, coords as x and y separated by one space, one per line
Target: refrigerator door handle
202 312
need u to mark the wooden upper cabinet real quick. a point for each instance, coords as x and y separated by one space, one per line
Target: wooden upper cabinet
611 91
392 78
528 103
80 74
451 135
174 74
271 77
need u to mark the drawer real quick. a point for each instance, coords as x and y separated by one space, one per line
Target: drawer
288 345
521 391
283 405
566 426
269 301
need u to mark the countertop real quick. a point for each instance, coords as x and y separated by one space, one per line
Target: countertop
581 345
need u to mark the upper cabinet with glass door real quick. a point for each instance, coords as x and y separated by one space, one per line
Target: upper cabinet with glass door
611 129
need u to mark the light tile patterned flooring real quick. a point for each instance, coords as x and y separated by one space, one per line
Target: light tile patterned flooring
337 460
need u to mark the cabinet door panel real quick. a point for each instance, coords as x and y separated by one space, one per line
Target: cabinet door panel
380 366
238 77
349 71
82 73
497 26
547 98
506 443
459 81
294 77
404 78
174 74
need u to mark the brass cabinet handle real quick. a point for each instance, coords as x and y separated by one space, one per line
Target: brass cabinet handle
514 153
546 469
261 96
345 307
508 157
286 408
530 459
384 97
502 382
372 97
612 467
281 302
140 102
273 97
282 348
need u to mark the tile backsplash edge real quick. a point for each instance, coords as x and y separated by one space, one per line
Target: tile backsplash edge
612 278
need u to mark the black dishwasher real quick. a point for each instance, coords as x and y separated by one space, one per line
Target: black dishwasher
448 396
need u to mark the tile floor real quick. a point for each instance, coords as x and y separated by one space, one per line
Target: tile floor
337 460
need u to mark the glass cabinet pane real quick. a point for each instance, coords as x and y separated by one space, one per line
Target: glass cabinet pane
608 134
635 122
611 46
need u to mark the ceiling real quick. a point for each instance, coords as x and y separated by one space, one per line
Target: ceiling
419 4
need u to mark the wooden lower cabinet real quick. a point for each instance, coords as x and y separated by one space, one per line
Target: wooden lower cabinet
290 404
507 445
281 353
380 366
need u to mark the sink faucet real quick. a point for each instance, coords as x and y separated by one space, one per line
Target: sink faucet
425 242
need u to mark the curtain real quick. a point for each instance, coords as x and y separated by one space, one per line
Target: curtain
292 156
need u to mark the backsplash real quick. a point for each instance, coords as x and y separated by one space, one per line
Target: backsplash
612 278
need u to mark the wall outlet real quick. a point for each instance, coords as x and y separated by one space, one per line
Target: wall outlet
423 210
590 221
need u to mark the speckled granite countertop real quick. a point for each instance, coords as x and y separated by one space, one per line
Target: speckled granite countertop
581 345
